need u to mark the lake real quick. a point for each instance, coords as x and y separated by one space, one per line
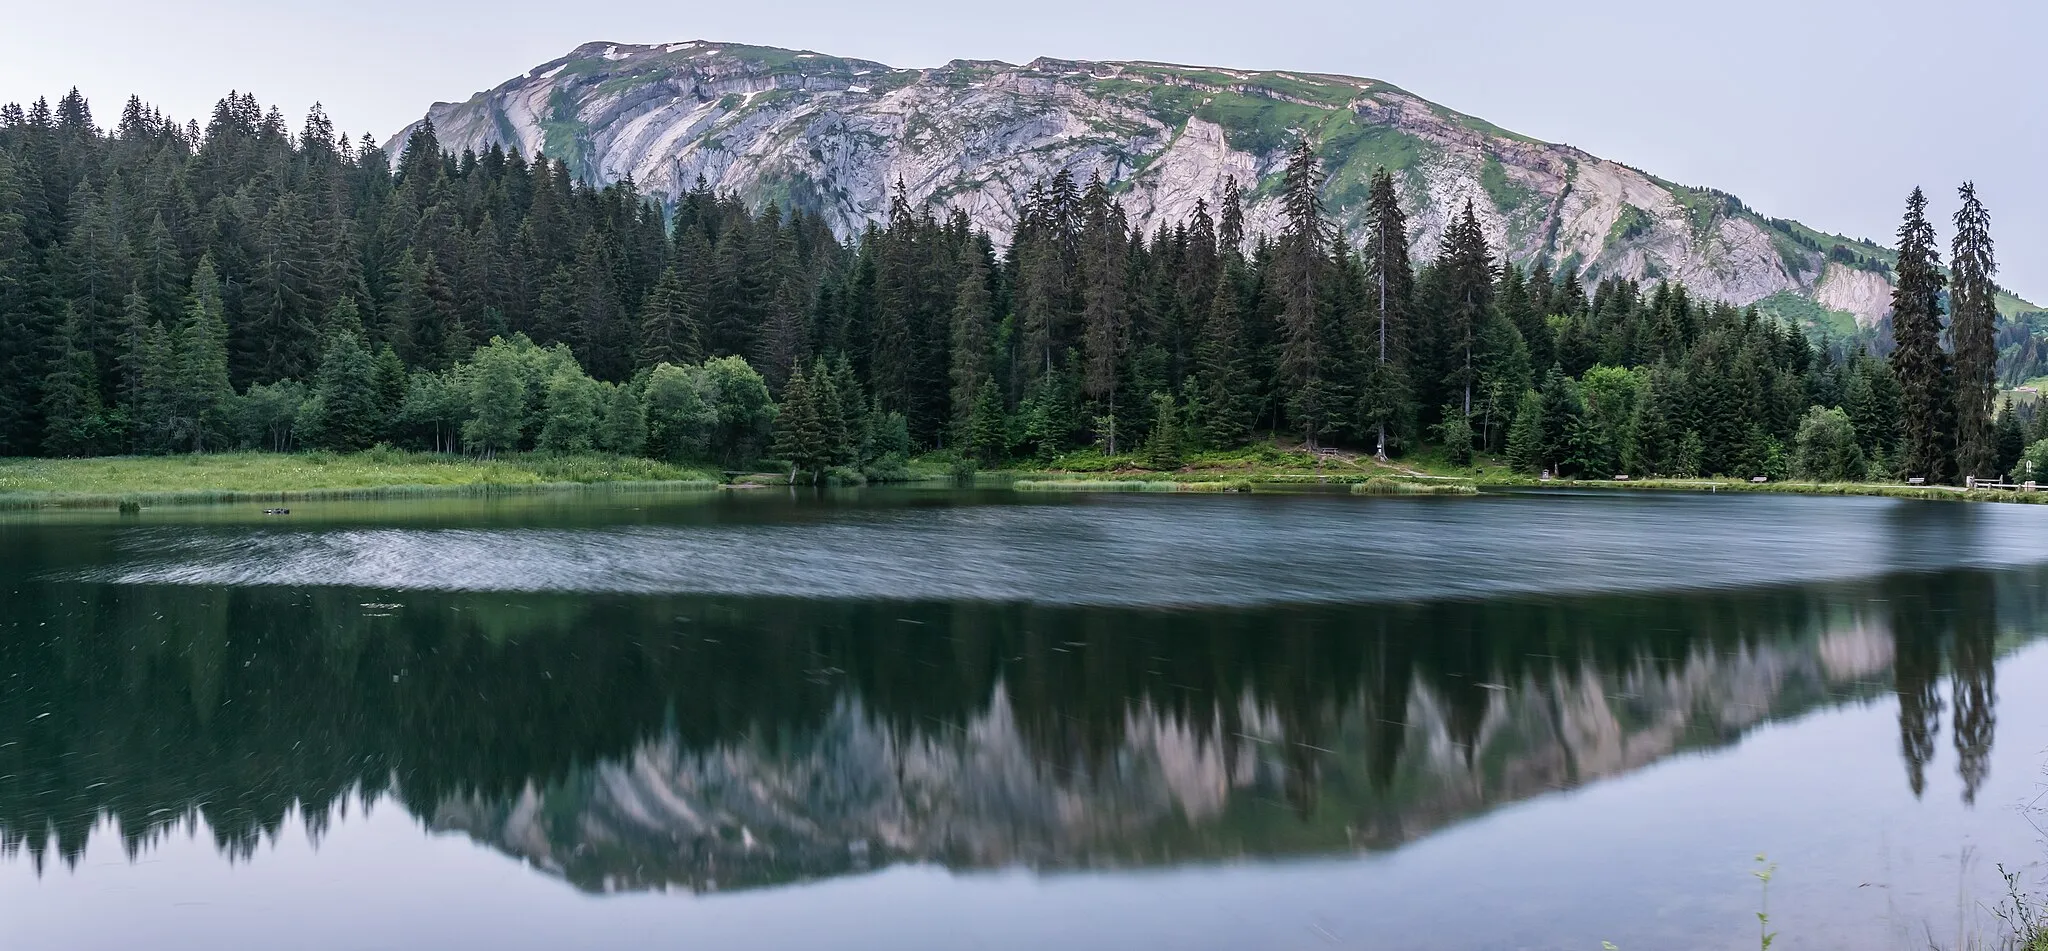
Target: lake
952 719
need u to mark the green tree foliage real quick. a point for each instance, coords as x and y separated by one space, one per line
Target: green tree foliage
623 428
1762 455
681 412
1922 367
1826 448
1561 425
196 283
1455 432
1463 293
348 411
972 335
1163 444
2033 464
1973 328
1229 397
1525 437
2009 439
670 322
268 414
987 439
1308 363
1611 397
802 437
1385 400
498 394
574 407
199 390
436 408
76 421
744 411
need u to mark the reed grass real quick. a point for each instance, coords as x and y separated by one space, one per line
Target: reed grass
1381 485
1130 485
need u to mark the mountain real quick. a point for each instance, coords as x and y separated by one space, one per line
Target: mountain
834 135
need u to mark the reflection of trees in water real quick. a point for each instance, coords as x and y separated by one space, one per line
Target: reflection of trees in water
153 706
1916 665
1958 611
1973 682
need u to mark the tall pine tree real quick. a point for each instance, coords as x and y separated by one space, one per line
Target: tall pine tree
1918 361
1973 318
1302 260
1385 399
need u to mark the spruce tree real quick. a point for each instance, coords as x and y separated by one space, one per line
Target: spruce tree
1302 261
1105 313
1657 431
846 421
348 412
1557 444
1973 319
199 366
135 321
1525 437
1230 220
987 440
154 430
392 382
2009 439
970 368
831 406
669 328
24 315
1220 353
1384 398
1918 361
75 420
1465 266
1163 444
801 436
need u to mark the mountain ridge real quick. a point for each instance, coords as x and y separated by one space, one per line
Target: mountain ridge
833 135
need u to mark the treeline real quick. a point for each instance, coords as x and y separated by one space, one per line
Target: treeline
169 288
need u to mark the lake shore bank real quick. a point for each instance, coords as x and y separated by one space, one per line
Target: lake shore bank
133 481
1271 469
283 478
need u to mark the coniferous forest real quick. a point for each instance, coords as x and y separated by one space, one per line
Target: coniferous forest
173 288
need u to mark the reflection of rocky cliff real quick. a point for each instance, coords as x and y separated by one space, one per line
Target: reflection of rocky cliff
857 793
634 742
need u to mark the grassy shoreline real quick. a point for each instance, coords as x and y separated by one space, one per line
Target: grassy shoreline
1270 469
247 477
383 474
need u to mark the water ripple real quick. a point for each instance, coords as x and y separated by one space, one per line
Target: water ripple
1137 550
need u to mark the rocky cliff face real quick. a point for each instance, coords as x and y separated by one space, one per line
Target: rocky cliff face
834 135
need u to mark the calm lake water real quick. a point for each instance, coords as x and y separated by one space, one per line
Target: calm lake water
900 720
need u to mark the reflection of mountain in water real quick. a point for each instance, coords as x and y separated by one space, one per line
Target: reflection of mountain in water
857 792
641 742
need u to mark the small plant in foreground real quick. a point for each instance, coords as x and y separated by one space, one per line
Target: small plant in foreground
2028 924
1763 873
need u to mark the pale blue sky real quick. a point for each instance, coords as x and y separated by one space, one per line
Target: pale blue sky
1798 106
